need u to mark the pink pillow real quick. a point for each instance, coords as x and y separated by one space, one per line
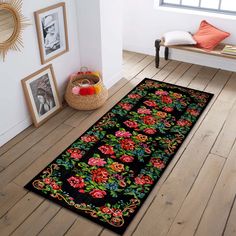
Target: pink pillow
208 36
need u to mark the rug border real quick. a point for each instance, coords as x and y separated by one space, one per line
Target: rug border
122 230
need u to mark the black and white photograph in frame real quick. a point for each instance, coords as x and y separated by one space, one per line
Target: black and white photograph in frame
42 95
52 31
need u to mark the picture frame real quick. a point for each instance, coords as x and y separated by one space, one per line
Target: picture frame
51 26
41 94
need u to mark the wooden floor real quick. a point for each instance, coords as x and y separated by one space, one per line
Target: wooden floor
196 194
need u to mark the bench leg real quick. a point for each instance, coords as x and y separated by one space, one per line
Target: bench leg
166 53
157 58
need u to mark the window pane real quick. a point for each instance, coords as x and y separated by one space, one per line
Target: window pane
228 5
212 4
172 1
192 3
221 6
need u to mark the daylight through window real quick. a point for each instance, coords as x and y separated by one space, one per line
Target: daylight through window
227 6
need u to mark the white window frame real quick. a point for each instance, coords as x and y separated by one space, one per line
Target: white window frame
199 8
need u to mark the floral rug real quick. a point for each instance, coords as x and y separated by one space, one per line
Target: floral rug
108 172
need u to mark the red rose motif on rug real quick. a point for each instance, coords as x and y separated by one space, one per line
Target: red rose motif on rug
149 131
157 163
166 99
143 180
106 149
127 159
75 153
131 124
150 103
144 111
89 138
97 193
126 106
96 162
100 175
149 120
127 144
76 182
124 134
134 96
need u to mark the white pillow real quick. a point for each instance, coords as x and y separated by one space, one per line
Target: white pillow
178 38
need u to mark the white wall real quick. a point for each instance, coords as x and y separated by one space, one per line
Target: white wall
143 24
112 39
101 37
89 33
14 112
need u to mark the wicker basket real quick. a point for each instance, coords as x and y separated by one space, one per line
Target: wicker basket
86 102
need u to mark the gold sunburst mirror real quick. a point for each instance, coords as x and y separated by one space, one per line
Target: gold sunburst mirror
12 23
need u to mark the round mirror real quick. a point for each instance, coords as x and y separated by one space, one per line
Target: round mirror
7 25
12 22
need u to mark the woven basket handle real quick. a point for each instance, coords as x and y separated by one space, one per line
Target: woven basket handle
85 82
83 69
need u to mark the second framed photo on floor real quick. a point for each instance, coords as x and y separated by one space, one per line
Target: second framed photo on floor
52 32
41 95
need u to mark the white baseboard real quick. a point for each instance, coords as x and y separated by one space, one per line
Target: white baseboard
12 132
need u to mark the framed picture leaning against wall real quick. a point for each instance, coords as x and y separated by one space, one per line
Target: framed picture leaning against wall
51 25
41 95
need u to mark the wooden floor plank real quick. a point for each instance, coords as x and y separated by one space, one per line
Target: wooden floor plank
230 227
186 79
186 222
176 187
32 154
37 220
59 224
131 62
150 71
203 78
89 228
126 56
107 232
9 196
218 82
16 139
166 70
33 138
17 214
179 72
227 135
217 211
135 70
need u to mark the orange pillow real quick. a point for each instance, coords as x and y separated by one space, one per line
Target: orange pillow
208 36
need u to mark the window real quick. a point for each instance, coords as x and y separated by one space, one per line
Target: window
221 6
